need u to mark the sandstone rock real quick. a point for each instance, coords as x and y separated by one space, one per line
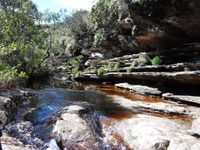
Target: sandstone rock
71 128
196 127
144 132
158 107
186 99
189 77
10 143
140 89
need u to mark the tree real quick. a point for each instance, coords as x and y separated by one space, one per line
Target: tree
20 34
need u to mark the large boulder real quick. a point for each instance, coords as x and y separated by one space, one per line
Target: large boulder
72 128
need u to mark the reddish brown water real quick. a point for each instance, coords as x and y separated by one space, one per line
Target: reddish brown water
125 113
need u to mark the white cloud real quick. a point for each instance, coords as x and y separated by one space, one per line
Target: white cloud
77 4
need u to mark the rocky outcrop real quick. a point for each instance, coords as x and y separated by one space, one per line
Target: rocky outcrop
185 99
9 102
145 90
72 129
144 132
23 131
187 77
10 143
163 107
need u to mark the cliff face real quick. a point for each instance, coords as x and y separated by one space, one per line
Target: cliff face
155 25
167 31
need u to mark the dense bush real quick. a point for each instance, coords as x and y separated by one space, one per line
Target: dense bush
104 17
156 60
23 42
11 77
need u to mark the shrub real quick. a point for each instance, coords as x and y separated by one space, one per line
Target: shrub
98 37
101 71
143 60
156 60
10 77
113 65
74 61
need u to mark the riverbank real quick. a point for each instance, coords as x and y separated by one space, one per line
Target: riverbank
101 116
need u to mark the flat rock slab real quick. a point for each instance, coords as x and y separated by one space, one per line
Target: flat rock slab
146 132
183 98
145 90
158 107
187 77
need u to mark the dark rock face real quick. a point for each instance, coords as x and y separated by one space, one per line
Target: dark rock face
9 103
185 16
157 25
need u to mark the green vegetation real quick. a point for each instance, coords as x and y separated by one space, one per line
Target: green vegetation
142 60
156 60
101 71
113 65
20 35
104 17
74 65
32 42
11 77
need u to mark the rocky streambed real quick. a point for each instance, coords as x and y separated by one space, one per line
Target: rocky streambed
97 116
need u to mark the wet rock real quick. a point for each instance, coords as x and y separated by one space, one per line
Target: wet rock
144 132
186 99
21 130
53 145
3 118
28 115
10 100
169 108
73 129
10 143
145 90
5 102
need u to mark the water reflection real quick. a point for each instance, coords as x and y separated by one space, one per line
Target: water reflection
51 100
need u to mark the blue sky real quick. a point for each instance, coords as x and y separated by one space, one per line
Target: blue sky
55 5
